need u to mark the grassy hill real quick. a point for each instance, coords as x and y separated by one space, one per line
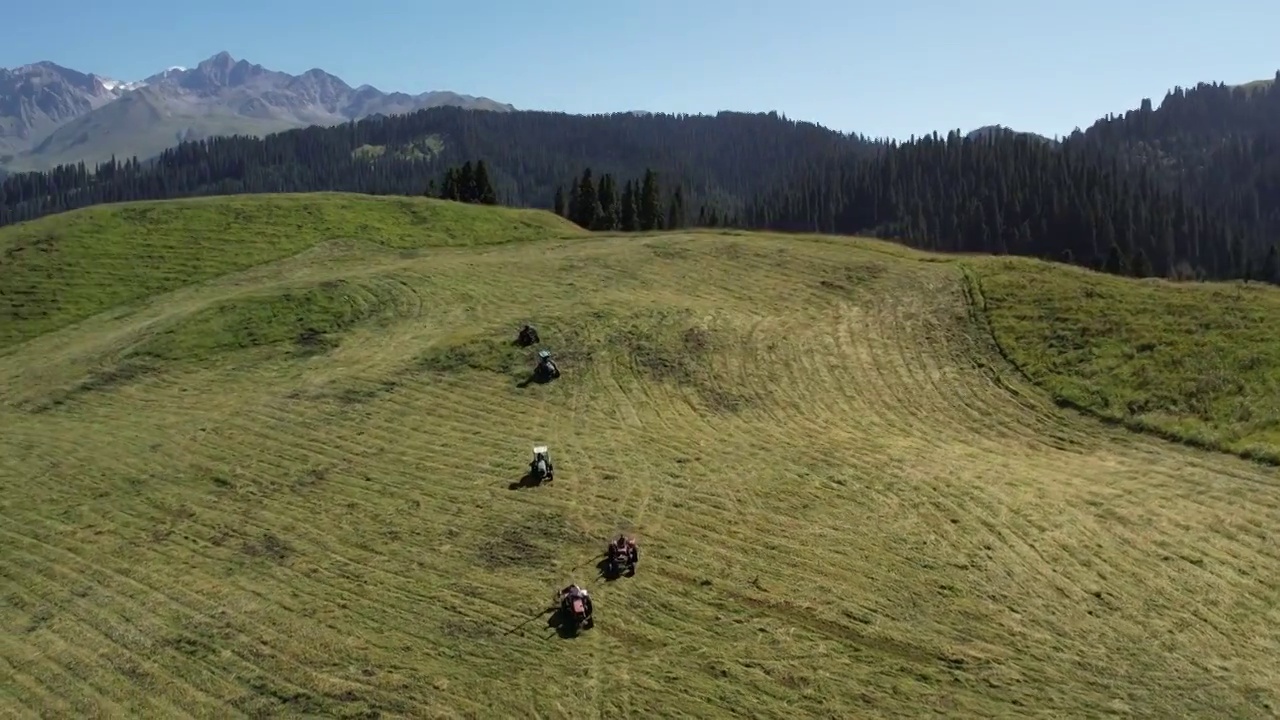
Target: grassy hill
271 467
68 267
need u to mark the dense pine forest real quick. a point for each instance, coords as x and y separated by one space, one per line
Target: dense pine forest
1189 189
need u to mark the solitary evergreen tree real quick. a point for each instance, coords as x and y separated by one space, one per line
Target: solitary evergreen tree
588 210
559 201
1271 266
484 190
649 211
628 218
675 211
575 187
449 189
467 191
608 204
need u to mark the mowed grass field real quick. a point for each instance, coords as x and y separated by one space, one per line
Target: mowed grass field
273 471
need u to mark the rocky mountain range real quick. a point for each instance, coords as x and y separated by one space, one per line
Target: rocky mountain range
51 114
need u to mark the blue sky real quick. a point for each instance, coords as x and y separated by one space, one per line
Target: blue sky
882 68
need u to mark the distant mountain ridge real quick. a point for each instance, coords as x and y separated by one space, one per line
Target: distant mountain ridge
50 114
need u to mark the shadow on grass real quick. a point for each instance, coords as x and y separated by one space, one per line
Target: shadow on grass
534 379
528 481
550 609
565 626
609 573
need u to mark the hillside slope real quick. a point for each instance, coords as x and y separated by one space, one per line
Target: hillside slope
1194 362
71 266
294 488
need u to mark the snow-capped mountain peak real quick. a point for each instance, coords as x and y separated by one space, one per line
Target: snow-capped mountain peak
117 87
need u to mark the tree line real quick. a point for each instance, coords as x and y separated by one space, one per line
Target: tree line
1019 195
637 207
720 159
593 204
1187 190
465 183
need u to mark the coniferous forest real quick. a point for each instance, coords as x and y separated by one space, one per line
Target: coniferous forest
1188 189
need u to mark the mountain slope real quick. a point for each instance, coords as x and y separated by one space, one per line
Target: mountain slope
142 123
88 118
295 489
36 99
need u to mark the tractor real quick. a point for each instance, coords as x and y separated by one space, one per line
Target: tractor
575 606
528 336
622 554
541 468
546 369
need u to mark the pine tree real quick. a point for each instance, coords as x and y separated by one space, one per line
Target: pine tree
628 218
588 205
467 191
607 195
571 207
649 210
1271 266
449 189
1140 264
484 190
559 201
1115 262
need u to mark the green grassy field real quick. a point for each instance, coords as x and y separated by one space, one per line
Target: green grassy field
270 469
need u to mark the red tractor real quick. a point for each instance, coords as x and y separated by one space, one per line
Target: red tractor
575 603
622 554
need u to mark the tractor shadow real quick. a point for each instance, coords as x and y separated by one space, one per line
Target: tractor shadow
528 481
562 623
530 619
603 567
534 379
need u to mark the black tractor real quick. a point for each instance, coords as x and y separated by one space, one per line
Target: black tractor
546 369
528 336
540 468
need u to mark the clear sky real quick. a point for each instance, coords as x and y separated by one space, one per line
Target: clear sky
881 68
